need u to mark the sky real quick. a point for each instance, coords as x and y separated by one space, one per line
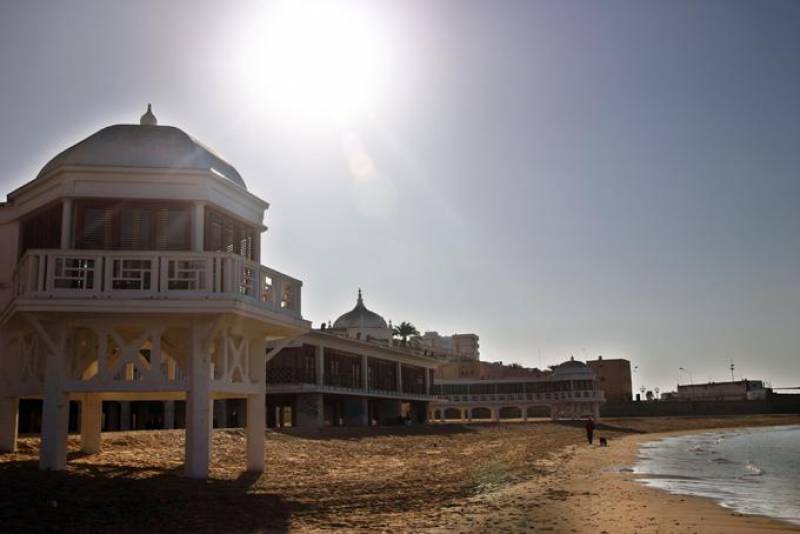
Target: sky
616 178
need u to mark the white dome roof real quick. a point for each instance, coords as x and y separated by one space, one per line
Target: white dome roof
360 317
144 145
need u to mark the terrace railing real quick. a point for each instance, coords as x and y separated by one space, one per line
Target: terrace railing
582 395
154 275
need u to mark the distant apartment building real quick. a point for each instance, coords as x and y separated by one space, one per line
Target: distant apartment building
613 377
457 347
723 391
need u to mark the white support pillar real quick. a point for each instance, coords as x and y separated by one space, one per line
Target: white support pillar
365 421
596 411
198 227
9 418
469 415
524 413
399 377
364 372
66 223
256 418
198 408
169 414
124 415
319 360
91 415
496 414
55 407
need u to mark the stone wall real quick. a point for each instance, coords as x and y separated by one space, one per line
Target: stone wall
787 404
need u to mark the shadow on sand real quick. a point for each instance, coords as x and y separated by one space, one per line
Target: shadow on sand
95 497
358 433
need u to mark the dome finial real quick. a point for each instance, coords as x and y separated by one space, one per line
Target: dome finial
148 119
360 300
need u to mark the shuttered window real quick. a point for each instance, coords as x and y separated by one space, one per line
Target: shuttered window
95 228
42 230
132 226
135 228
172 229
226 234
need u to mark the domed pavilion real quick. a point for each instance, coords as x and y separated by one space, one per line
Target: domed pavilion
132 272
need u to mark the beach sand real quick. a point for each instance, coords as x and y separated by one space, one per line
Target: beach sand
593 490
458 478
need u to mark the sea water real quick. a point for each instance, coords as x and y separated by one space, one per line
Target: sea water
752 471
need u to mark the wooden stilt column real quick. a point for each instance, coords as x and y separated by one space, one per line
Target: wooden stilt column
169 414
256 416
91 414
55 405
198 408
125 415
364 412
9 417
257 404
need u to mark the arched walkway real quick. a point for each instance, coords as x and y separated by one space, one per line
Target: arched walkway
452 413
481 413
538 411
510 412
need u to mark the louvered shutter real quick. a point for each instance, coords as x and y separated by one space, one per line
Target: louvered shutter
96 230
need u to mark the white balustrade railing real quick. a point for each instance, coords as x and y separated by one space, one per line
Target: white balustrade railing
594 395
135 274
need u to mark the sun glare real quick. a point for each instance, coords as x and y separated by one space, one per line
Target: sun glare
316 61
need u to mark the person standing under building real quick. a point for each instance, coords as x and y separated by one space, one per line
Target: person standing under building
589 430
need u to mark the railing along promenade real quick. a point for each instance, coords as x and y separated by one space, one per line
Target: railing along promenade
584 395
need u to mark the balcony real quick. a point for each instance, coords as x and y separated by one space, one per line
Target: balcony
144 275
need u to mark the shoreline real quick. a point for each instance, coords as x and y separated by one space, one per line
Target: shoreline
594 489
679 511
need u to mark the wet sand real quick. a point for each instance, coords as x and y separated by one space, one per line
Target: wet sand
594 491
461 478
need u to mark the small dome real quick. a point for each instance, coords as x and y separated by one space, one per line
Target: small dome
360 317
144 145
573 367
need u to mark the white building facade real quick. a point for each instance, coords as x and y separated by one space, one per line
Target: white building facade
349 375
570 391
132 271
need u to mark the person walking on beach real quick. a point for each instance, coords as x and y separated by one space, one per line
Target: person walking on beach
589 431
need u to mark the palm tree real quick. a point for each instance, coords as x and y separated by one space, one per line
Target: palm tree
405 330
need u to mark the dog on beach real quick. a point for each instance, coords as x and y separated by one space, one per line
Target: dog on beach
603 442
